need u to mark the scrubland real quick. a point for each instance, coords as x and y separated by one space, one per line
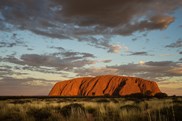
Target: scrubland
91 109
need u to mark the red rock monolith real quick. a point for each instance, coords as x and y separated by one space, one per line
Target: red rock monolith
110 85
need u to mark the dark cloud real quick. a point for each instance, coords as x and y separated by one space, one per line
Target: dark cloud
134 39
106 61
44 70
58 48
149 70
9 71
82 55
142 53
97 42
18 70
67 53
176 44
156 22
138 53
51 34
102 42
161 63
5 44
79 21
5 71
114 13
30 49
70 18
52 61
66 62
180 52
12 59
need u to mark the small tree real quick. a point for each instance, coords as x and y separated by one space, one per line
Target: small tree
160 95
136 95
107 95
148 93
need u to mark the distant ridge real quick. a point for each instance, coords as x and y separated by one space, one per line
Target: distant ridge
105 85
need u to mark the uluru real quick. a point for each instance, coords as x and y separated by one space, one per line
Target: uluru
110 85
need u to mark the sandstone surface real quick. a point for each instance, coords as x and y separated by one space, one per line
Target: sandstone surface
110 85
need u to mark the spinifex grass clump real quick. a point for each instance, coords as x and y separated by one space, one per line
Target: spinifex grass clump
96 109
39 113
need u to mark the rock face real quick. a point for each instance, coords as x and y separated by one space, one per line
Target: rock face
104 85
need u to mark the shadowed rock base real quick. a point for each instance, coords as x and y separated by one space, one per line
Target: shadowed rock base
106 85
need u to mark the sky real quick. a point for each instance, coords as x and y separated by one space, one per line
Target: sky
46 41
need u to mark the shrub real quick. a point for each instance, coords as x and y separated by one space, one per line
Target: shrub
107 95
148 93
11 116
178 112
160 95
76 108
41 114
130 108
136 95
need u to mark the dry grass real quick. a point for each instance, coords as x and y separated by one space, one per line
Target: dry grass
97 109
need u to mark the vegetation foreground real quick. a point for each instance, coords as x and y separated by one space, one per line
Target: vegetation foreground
91 109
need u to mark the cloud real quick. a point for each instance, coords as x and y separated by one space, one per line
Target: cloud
67 53
5 71
67 19
45 70
171 85
161 63
52 61
103 42
154 23
10 71
155 71
109 13
72 54
150 70
48 61
115 49
180 52
95 71
25 86
63 60
5 44
11 42
50 33
85 19
139 53
58 48
38 83
141 62
176 44
104 61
